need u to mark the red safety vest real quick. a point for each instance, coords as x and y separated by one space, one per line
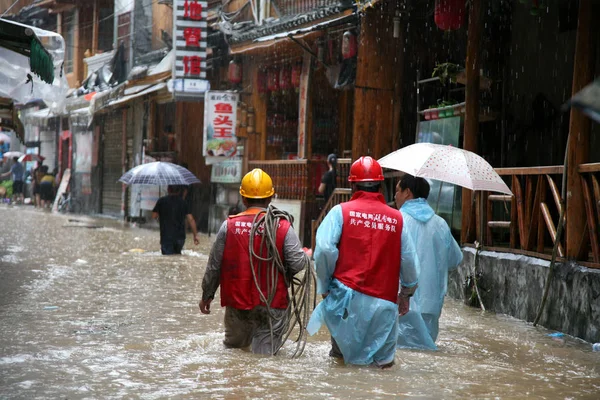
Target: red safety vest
238 289
369 248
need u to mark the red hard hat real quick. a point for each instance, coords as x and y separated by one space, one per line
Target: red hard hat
365 169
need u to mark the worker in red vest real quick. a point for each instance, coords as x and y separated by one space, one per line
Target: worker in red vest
365 262
255 298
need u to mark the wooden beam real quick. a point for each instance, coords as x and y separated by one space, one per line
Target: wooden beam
540 190
591 220
596 188
528 204
579 128
489 224
550 170
521 214
513 222
95 28
555 193
497 224
471 124
541 228
551 227
591 167
399 86
376 71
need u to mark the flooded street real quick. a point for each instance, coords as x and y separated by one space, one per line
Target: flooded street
90 309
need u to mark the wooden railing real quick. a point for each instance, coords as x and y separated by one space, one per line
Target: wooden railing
293 7
299 180
292 179
338 196
590 175
342 172
526 223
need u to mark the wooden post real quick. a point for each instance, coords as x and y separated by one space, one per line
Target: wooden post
471 127
399 86
95 29
374 87
255 147
124 163
579 130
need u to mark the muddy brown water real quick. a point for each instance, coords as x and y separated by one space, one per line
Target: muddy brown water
90 309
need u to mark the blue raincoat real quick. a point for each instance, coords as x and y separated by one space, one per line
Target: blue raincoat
364 327
438 253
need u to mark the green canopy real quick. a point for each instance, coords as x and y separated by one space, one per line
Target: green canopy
23 40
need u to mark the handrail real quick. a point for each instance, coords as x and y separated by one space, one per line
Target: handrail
535 208
545 170
338 194
278 162
591 167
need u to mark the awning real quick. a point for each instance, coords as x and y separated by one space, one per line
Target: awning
38 118
138 91
316 27
306 32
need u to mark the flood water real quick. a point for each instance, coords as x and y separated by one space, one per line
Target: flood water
90 309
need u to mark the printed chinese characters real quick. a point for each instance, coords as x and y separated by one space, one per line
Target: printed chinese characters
373 221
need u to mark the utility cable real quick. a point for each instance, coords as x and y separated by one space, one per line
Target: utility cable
267 264
8 9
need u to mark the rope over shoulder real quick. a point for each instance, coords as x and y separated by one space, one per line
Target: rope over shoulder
301 288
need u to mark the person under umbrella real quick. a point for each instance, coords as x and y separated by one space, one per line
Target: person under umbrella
172 212
438 253
17 170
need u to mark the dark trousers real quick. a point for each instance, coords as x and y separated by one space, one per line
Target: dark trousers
172 247
335 350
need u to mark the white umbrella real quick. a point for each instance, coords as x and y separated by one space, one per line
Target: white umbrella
159 173
446 164
4 137
31 157
11 154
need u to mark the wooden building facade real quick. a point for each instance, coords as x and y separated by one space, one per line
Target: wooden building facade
519 65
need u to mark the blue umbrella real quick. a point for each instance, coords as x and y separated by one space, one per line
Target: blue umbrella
159 173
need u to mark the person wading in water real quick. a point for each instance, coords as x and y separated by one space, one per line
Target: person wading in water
255 297
360 247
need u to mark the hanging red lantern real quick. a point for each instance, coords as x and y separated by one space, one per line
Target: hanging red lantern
261 81
296 73
449 15
349 47
285 77
235 72
273 80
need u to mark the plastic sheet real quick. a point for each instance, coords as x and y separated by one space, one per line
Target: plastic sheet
438 253
15 68
364 327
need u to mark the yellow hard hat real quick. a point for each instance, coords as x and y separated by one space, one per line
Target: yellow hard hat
257 184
